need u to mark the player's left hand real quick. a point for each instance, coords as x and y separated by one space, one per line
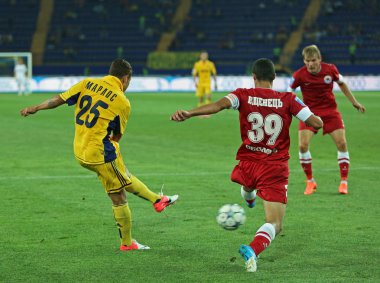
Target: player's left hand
359 107
28 110
180 116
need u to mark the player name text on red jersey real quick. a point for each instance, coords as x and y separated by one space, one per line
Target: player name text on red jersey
270 102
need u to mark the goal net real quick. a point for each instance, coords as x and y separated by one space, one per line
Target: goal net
8 77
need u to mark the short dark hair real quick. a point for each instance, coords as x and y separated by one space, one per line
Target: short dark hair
120 68
264 70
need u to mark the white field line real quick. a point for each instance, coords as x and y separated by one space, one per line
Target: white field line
48 177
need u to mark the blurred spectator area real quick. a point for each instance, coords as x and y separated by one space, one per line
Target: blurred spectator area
88 34
17 24
236 32
348 34
96 32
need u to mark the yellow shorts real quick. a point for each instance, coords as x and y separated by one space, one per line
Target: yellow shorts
203 90
113 175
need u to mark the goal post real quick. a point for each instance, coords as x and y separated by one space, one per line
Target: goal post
9 59
9 83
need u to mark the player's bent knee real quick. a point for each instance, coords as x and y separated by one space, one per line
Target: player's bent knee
303 147
248 189
342 146
278 227
118 198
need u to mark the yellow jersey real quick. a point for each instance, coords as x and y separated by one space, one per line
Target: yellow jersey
204 70
101 109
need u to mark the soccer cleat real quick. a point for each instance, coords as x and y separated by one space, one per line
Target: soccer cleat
249 197
311 187
249 257
250 202
343 188
134 246
164 202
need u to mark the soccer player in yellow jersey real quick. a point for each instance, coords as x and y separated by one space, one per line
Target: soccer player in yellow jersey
101 114
202 72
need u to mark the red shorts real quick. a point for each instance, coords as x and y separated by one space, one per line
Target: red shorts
331 121
271 181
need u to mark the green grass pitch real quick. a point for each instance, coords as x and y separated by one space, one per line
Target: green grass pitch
56 222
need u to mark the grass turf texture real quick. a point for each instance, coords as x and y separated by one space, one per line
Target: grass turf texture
56 222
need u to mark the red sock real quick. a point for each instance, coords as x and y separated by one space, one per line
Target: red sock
344 168
307 169
263 238
305 160
344 164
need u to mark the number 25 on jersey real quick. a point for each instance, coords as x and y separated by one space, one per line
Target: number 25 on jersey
92 117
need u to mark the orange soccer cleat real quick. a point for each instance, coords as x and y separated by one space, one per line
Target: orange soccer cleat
311 187
343 188
164 202
134 246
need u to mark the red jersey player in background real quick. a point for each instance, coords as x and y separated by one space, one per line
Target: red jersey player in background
265 117
316 80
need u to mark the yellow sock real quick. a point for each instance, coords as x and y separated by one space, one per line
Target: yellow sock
123 218
138 188
208 101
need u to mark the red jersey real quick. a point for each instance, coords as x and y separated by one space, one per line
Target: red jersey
317 89
265 118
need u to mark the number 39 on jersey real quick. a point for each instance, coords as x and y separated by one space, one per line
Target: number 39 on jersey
270 125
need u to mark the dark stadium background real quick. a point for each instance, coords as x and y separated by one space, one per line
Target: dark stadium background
76 37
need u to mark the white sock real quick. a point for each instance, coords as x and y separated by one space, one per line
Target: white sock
305 155
269 229
343 156
247 195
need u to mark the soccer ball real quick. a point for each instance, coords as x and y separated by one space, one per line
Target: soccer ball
231 216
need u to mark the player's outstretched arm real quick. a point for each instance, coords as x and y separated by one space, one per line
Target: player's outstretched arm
314 121
212 108
51 103
347 92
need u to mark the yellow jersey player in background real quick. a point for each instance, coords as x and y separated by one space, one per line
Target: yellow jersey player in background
202 72
101 114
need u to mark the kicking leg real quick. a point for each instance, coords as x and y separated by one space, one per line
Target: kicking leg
159 202
274 215
249 195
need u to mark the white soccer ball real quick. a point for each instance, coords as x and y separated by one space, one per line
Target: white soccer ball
231 216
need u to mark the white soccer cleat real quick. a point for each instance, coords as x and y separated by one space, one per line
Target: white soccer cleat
141 246
249 257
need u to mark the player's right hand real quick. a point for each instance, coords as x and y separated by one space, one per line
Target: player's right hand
180 116
28 110
359 107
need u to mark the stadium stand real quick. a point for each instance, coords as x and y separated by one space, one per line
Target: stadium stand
236 33
343 25
98 31
89 33
17 24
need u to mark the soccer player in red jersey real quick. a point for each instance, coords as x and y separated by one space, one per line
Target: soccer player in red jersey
316 80
265 117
